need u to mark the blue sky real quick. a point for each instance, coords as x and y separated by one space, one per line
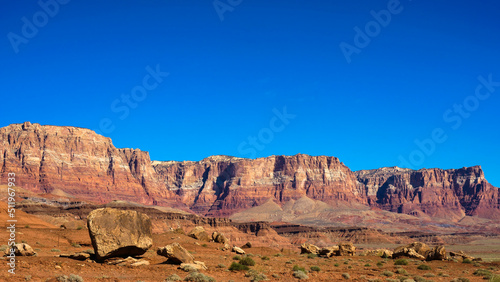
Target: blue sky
188 79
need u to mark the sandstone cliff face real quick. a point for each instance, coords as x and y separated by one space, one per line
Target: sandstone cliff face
451 193
84 164
77 161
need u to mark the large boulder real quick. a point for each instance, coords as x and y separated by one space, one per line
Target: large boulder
346 249
419 247
307 248
407 252
175 253
436 253
328 251
199 233
119 233
21 249
219 238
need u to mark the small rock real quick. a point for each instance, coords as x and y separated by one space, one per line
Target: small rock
238 250
196 265
175 253
248 245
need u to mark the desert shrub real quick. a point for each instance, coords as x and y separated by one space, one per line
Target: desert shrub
346 262
495 278
204 245
221 265
300 275
429 275
278 255
380 264
315 268
368 265
247 261
79 228
189 268
249 255
483 272
387 273
71 278
255 276
238 267
27 226
298 268
424 267
392 280
173 277
3 248
401 271
198 277
264 258
336 265
275 276
346 275
55 250
288 262
466 261
420 279
236 257
75 245
401 262
460 279
312 256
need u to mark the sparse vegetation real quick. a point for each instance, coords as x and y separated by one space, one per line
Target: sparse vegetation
388 273
221 265
71 278
299 274
173 277
55 250
380 264
79 227
198 277
466 260
401 271
75 245
315 268
401 262
204 245
424 267
311 256
238 267
298 268
278 255
236 257
247 261
255 276
264 258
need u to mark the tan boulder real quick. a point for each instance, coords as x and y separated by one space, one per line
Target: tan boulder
219 238
119 233
196 265
328 251
238 250
407 252
21 249
175 253
199 233
307 248
226 247
436 253
346 249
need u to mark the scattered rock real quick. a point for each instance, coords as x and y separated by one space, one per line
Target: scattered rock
119 233
460 256
238 250
248 245
419 247
436 253
378 253
407 252
328 251
129 261
226 247
307 248
219 238
21 249
76 256
175 253
196 265
199 233
346 249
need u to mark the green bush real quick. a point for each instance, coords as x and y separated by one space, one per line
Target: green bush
238 267
264 258
298 268
198 277
466 261
247 261
401 271
278 255
380 264
315 268
255 276
387 273
401 262
204 245
312 256
236 257
424 267
221 265
300 275
173 277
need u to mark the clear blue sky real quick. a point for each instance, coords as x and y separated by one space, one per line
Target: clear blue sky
231 64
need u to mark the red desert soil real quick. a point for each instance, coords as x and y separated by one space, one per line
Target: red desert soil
49 242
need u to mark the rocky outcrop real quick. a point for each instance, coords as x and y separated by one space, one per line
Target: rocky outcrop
175 253
309 249
77 162
117 233
436 253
